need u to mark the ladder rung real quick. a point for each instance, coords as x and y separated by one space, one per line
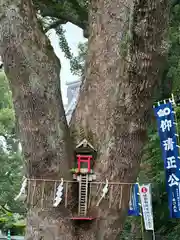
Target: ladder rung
83 195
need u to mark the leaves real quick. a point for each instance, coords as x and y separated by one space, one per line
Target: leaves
76 63
10 158
74 11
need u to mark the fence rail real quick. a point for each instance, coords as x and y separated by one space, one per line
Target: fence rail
12 238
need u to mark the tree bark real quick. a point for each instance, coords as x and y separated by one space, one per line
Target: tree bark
33 72
112 111
116 97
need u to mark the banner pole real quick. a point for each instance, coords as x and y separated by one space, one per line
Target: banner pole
173 100
142 224
153 231
154 236
177 129
9 235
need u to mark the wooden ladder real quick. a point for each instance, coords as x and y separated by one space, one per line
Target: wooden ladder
83 195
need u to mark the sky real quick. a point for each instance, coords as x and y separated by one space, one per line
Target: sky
74 36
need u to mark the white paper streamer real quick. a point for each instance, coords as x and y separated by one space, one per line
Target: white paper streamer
104 192
22 190
59 194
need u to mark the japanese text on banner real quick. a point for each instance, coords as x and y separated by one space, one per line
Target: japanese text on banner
146 201
167 132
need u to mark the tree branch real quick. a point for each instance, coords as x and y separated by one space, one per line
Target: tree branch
64 17
76 16
55 24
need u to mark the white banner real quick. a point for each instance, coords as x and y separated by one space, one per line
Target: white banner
146 202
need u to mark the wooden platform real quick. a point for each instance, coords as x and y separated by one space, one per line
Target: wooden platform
82 218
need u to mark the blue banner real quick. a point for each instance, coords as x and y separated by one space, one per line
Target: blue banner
168 138
134 208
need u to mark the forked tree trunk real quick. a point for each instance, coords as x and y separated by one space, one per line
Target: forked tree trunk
112 110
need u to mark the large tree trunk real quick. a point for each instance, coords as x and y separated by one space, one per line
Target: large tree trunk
112 110
33 72
116 97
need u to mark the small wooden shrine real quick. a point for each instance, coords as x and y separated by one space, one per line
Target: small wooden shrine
91 193
85 156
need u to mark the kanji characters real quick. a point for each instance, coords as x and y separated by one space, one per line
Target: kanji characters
171 162
174 205
168 144
173 180
166 125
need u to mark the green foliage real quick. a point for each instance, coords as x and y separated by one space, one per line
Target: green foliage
7 117
173 59
63 42
10 159
13 222
78 69
5 94
76 63
74 11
